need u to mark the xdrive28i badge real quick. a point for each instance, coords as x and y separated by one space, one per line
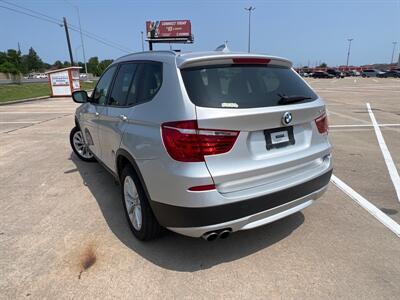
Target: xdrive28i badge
287 118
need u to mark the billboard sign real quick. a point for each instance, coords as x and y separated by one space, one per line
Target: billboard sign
173 29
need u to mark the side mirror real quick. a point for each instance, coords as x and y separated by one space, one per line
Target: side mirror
80 96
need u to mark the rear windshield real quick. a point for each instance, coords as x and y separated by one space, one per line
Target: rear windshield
243 86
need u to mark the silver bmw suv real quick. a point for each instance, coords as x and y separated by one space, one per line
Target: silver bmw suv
205 144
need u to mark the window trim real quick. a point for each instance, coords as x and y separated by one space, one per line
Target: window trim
139 63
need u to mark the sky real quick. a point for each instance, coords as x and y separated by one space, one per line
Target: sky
305 31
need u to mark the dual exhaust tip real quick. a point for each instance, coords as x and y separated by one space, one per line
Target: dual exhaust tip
213 235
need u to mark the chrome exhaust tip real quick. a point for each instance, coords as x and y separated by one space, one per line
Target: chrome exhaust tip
224 234
210 236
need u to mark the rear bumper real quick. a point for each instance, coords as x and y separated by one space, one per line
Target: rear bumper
194 221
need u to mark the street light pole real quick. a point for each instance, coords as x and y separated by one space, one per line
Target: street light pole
394 48
142 41
348 51
80 31
76 52
83 45
250 9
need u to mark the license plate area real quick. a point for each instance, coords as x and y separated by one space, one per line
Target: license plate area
279 137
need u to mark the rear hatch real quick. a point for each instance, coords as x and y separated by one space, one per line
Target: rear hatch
275 113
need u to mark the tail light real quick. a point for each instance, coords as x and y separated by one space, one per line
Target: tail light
186 142
322 123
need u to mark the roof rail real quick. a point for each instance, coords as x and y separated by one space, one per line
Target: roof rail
147 52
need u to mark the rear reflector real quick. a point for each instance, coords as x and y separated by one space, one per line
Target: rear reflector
322 123
251 60
200 188
186 142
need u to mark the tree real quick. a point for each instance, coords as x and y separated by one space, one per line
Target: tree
103 65
323 65
3 57
14 57
66 64
33 61
92 65
8 67
58 64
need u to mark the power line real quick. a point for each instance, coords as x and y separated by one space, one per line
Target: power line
24 13
100 41
72 27
31 10
53 20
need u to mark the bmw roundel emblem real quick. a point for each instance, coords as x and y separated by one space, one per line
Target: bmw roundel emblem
287 118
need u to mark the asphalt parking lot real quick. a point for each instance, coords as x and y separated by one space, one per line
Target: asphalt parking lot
60 215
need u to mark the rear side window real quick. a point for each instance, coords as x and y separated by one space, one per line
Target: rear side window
243 86
149 80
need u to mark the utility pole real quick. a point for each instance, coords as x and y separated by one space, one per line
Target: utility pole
68 41
142 41
394 48
348 51
250 9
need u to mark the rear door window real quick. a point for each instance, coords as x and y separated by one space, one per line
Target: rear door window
243 86
102 87
122 84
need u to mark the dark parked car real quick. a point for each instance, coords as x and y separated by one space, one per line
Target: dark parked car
391 73
335 73
321 74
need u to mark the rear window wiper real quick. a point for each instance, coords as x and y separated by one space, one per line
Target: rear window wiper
291 99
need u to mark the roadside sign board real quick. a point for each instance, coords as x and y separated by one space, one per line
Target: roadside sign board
64 81
169 29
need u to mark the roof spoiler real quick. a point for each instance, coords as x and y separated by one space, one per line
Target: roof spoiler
233 59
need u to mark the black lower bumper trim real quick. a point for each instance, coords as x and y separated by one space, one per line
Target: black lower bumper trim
178 216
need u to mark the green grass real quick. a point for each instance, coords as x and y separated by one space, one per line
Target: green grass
12 92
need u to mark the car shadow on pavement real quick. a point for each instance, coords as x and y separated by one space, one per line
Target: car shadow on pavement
173 251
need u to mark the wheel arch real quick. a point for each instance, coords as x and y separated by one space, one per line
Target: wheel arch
77 122
123 157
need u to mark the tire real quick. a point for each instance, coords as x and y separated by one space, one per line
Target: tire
145 227
78 145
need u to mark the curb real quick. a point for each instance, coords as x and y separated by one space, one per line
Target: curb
24 100
31 99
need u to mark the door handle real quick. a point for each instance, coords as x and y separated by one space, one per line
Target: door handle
123 117
97 114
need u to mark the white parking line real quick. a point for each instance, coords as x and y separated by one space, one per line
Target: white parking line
364 203
18 122
363 125
33 112
394 175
